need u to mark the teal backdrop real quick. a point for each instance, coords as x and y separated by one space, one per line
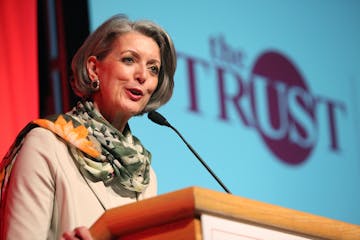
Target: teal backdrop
267 92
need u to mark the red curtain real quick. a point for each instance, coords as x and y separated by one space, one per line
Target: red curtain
18 68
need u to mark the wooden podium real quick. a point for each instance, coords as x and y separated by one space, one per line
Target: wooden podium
198 213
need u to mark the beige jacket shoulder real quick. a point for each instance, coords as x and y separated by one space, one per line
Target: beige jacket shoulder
47 195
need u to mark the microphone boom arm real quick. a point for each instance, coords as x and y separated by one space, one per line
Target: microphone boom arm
159 119
201 161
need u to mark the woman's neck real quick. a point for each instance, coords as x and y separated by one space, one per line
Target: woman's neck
116 119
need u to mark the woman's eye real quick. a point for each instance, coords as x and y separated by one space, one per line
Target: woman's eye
127 60
154 70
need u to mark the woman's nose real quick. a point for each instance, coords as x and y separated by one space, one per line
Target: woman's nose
140 74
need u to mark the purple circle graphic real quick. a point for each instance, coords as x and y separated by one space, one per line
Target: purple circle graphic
280 107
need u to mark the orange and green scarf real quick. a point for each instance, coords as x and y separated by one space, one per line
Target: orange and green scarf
101 152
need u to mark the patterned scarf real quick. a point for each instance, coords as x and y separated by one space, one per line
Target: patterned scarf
100 150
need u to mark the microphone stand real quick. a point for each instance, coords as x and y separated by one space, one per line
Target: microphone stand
159 119
201 161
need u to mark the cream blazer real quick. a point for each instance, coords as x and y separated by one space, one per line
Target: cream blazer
47 195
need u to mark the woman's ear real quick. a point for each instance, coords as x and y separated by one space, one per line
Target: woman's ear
91 68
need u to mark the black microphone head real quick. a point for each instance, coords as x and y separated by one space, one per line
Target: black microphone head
158 118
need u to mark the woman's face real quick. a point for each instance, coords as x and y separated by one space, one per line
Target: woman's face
128 76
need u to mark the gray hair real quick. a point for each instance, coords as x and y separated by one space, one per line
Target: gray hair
100 43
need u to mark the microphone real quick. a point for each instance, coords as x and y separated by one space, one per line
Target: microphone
159 119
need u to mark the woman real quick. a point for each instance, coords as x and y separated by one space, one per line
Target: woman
68 169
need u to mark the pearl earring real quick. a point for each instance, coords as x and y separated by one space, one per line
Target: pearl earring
95 85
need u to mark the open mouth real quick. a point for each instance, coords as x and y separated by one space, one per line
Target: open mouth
136 92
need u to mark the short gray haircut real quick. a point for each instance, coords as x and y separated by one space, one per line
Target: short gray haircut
100 43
